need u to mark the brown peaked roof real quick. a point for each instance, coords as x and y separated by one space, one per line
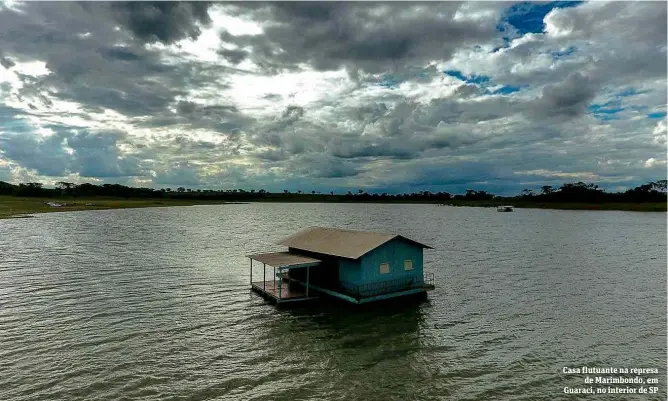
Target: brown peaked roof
350 244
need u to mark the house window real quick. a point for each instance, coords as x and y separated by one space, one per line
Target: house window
384 268
408 265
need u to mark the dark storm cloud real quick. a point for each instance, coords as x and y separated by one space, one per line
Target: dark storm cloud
293 113
10 115
78 47
161 21
280 133
409 129
189 118
370 36
234 56
451 110
273 97
6 62
334 170
468 90
225 119
119 53
370 113
96 155
178 173
85 69
460 172
91 155
191 109
567 99
396 134
46 156
382 149
632 36
404 132
321 165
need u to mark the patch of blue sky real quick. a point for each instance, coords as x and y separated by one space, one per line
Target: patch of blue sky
506 44
609 111
630 92
471 79
564 53
528 17
657 115
605 108
605 112
607 117
614 103
389 82
14 127
424 76
507 90
483 81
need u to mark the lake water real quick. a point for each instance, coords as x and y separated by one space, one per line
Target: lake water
154 304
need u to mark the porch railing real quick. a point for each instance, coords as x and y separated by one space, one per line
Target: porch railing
385 287
429 279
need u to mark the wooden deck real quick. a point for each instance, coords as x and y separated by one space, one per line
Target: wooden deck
271 289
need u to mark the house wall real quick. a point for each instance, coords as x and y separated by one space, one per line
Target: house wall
349 272
336 270
393 252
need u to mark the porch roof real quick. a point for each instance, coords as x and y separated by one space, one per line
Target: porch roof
284 260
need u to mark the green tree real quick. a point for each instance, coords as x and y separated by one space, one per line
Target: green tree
660 185
65 187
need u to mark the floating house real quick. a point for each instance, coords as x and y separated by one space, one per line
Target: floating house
353 266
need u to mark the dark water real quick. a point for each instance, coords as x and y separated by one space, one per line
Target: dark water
155 304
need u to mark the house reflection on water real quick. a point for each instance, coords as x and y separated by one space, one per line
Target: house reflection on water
333 350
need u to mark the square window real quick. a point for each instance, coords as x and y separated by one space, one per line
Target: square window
408 265
384 268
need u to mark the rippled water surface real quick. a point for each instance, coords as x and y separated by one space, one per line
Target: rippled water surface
155 304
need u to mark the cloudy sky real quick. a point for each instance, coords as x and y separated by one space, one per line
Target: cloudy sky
334 96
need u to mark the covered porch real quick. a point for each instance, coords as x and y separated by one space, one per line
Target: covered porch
280 287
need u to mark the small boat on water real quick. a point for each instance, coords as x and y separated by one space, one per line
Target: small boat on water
505 209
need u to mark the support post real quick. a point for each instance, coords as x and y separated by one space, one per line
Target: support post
274 278
280 284
307 271
264 276
251 272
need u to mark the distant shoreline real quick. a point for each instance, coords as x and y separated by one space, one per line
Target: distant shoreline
21 207
618 206
611 206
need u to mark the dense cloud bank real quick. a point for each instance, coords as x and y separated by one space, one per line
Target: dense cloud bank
334 96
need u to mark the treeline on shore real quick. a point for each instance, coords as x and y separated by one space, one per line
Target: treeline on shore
578 192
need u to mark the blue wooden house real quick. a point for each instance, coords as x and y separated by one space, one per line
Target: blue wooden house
354 266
